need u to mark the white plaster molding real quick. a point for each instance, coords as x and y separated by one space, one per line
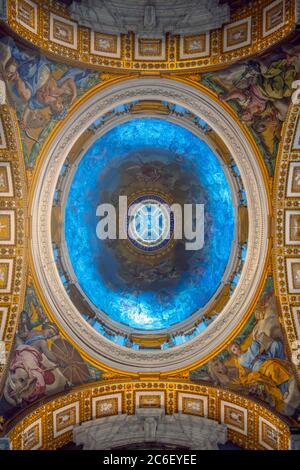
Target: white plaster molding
100 348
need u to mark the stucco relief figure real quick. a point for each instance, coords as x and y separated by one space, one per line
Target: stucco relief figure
150 427
149 17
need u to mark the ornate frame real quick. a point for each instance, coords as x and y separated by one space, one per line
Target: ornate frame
199 349
286 251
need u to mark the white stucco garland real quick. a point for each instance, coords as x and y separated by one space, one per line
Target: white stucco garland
98 347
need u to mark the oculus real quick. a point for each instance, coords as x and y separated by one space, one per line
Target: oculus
150 222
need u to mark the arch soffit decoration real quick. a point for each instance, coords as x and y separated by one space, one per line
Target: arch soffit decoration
48 26
49 425
95 103
286 250
14 233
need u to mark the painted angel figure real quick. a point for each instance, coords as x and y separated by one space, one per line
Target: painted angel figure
32 81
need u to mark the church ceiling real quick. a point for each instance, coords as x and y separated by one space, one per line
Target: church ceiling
257 360
253 27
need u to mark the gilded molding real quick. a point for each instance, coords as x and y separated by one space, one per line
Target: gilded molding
252 278
49 425
252 29
14 229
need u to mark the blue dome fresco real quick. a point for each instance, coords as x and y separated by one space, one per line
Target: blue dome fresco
151 160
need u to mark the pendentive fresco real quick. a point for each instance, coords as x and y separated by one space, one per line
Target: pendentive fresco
140 293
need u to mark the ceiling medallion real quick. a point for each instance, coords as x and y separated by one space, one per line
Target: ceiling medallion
150 222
